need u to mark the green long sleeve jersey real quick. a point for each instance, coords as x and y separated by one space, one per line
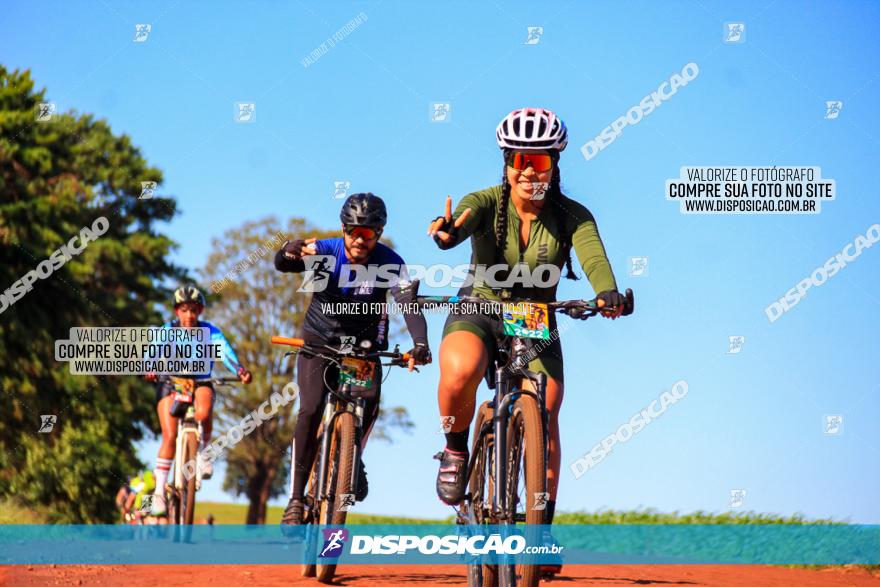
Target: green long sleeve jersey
558 219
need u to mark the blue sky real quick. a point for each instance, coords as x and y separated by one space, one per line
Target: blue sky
752 420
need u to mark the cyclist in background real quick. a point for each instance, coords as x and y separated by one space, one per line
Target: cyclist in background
526 219
363 219
189 303
130 497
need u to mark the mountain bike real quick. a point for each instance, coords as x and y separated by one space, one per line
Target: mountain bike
332 483
187 479
507 472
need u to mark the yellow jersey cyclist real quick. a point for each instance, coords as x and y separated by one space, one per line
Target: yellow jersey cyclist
189 303
526 219
130 498
361 316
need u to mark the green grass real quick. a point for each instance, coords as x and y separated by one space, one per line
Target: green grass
12 512
650 516
233 513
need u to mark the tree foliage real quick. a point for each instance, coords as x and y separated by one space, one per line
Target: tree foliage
57 177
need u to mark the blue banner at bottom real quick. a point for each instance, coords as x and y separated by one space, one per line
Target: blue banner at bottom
825 544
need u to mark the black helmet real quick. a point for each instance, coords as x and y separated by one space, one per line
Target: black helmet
364 210
188 293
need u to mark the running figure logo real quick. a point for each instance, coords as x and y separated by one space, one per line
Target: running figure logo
638 266
734 32
334 541
541 500
43 111
47 423
441 112
735 344
317 273
535 33
141 32
346 502
832 109
341 189
147 190
245 112
346 344
833 424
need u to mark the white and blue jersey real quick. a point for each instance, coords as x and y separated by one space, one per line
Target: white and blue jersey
230 359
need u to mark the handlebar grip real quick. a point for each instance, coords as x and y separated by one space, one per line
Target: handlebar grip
294 342
630 304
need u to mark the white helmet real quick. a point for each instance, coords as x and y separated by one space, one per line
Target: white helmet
532 129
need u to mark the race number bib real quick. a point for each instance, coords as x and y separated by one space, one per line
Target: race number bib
357 372
183 389
526 320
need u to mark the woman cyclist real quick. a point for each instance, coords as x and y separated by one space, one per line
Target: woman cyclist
525 219
189 303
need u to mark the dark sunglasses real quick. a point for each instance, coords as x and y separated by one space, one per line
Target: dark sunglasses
367 233
538 162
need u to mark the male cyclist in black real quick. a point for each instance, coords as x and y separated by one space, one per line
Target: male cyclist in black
363 217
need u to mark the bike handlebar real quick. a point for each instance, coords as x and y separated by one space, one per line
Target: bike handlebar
591 307
397 358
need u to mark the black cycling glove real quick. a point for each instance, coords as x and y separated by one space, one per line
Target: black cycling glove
293 249
421 353
449 228
616 299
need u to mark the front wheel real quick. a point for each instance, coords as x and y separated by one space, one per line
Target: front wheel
188 494
339 481
482 492
526 482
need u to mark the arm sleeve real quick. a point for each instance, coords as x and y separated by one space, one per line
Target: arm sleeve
591 252
230 359
286 265
415 320
481 204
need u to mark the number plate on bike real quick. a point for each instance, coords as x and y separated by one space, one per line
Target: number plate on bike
357 372
526 320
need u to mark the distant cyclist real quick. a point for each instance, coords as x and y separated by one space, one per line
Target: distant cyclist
363 219
130 497
526 219
189 303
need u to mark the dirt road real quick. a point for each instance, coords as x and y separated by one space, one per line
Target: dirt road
397 575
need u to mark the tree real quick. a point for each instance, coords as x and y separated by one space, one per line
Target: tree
58 176
253 303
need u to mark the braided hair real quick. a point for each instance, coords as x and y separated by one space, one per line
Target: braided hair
554 194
